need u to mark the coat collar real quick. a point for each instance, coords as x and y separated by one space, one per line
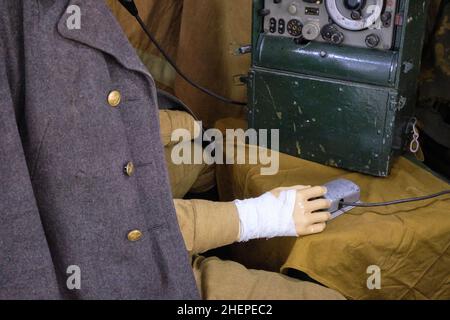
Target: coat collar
100 30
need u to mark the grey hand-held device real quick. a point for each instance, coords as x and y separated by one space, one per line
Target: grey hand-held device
342 190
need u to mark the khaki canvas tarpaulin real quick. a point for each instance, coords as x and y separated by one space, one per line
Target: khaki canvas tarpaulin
163 18
211 31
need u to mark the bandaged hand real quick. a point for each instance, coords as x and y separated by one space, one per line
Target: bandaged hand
283 212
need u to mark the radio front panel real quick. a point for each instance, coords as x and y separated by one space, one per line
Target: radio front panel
358 23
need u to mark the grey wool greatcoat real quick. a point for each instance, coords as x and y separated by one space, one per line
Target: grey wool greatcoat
65 199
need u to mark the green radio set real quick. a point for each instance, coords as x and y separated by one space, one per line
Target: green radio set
338 78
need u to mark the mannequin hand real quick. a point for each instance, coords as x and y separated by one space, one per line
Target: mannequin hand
283 212
307 220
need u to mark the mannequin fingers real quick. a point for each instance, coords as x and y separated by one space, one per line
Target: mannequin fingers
311 193
319 217
317 228
319 204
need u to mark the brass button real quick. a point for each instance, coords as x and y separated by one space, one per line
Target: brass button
129 169
114 98
134 235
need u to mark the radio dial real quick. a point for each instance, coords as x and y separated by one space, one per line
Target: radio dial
345 13
293 9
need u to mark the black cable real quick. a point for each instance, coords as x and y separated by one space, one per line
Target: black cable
174 65
395 202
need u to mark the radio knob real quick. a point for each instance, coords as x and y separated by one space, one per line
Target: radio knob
311 31
356 15
337 37
372 40
293 9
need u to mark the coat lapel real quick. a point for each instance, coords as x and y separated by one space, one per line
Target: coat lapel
100 30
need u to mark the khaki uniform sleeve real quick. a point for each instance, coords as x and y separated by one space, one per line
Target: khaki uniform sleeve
171 120
207 225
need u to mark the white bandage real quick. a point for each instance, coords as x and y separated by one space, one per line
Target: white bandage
267 216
